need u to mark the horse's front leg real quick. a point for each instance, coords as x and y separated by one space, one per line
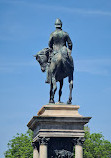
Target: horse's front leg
51 93
60 90
53 88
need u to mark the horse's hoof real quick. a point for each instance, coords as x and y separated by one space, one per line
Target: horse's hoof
60 102
51 101
69 102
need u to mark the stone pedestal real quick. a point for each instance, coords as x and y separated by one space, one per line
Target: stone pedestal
57 128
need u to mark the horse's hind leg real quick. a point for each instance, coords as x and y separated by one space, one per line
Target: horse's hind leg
51 93
60 90
70 87
54 86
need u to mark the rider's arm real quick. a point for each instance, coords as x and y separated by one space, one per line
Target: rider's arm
51 41
69 42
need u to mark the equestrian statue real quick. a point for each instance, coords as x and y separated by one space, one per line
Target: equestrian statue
57 61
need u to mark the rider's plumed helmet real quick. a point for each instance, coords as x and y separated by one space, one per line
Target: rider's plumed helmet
58 23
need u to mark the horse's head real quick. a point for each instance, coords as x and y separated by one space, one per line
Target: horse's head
42 57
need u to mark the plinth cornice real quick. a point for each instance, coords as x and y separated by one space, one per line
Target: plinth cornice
36 120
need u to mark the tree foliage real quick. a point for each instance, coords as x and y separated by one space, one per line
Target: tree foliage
20 146
95 146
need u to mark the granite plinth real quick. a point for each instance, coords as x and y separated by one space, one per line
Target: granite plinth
58 120
57 128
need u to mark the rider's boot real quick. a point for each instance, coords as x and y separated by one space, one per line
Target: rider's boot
47 81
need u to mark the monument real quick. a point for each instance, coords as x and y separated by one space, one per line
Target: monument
58 127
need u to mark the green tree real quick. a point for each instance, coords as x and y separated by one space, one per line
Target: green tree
20 146
95 146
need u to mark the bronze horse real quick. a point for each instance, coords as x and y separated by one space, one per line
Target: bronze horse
61 66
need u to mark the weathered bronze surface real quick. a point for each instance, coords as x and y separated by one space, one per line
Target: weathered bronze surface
57 61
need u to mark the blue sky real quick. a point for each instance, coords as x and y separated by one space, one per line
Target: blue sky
25 27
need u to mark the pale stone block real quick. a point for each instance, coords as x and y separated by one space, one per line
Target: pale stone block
59 110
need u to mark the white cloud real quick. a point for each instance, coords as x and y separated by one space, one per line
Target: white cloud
58 8
85 11
94 66
15 67
72 10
